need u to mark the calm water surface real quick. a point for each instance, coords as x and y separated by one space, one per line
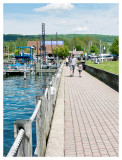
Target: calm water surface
19 103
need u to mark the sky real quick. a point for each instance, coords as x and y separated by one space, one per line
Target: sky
65 18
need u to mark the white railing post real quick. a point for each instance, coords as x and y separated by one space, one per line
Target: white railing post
25 148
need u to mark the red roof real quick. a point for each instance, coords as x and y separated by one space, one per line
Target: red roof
37 45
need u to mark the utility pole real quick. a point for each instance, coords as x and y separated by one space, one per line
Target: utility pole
51 46
100 51
43 40
40 60
100 47
57 47
8 53
37 51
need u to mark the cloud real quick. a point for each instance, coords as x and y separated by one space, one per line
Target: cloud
55 6
89 22
62 22
80 29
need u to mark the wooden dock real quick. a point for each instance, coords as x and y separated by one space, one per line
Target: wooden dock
21 71
46 70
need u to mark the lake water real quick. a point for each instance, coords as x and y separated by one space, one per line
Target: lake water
19 103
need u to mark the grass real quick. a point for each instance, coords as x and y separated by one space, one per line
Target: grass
110 66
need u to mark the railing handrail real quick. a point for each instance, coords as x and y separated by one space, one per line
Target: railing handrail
16 143
35 111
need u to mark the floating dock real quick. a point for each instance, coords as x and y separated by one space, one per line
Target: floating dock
21 71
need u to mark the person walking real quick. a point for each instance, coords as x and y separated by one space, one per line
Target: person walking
67 61
80 68
73 62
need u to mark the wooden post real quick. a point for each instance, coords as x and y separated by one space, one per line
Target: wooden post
40 128
25 148
53 97
36 68
9 67
48 112
24 71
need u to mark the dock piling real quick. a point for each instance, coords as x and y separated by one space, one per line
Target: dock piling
25 148
24 71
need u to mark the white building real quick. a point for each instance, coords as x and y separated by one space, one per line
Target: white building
76 53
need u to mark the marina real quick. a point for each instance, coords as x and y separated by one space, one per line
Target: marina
19 102
41 78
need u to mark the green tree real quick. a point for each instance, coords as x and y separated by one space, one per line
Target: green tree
114 48
62 51
78 47
87 39
11 46
74 42
93 49
16 52
21 42
66 51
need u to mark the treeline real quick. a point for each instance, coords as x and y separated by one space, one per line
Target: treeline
86 43
14 37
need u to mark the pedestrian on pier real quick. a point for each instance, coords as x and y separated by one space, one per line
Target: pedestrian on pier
67 61
80 68
73 62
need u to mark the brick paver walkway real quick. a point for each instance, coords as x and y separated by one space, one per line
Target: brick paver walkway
91 117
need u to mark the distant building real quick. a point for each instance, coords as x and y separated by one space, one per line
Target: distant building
76 53
48 46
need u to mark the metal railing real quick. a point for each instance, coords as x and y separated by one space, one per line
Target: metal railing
43 113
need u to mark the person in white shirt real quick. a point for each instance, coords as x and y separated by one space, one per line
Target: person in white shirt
67 61
73 62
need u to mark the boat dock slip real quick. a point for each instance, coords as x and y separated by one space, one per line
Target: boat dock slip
46 70
90 115
27 70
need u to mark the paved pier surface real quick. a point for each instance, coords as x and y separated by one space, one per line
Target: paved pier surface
90 117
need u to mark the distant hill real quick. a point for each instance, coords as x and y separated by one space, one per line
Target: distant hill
104 38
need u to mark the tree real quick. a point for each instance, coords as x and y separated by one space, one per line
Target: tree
87 39
114 48
93 49
62 51
74 42
21 42
16 52
78 47
66 51
11 46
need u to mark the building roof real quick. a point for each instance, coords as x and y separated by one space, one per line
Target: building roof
47 45
76 52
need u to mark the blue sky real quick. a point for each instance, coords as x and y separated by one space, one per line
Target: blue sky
63 18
